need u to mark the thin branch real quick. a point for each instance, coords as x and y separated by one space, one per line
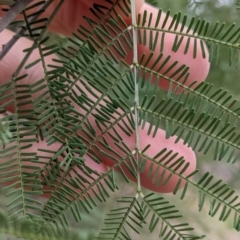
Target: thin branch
7 2
136 98
18 7
6 48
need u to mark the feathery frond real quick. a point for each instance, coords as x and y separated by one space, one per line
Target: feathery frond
95 102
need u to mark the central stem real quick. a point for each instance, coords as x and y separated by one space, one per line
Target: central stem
136 97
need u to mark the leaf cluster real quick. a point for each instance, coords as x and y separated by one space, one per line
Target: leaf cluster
89 101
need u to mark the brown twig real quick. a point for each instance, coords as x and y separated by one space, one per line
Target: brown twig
18 7
20 32
7 2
